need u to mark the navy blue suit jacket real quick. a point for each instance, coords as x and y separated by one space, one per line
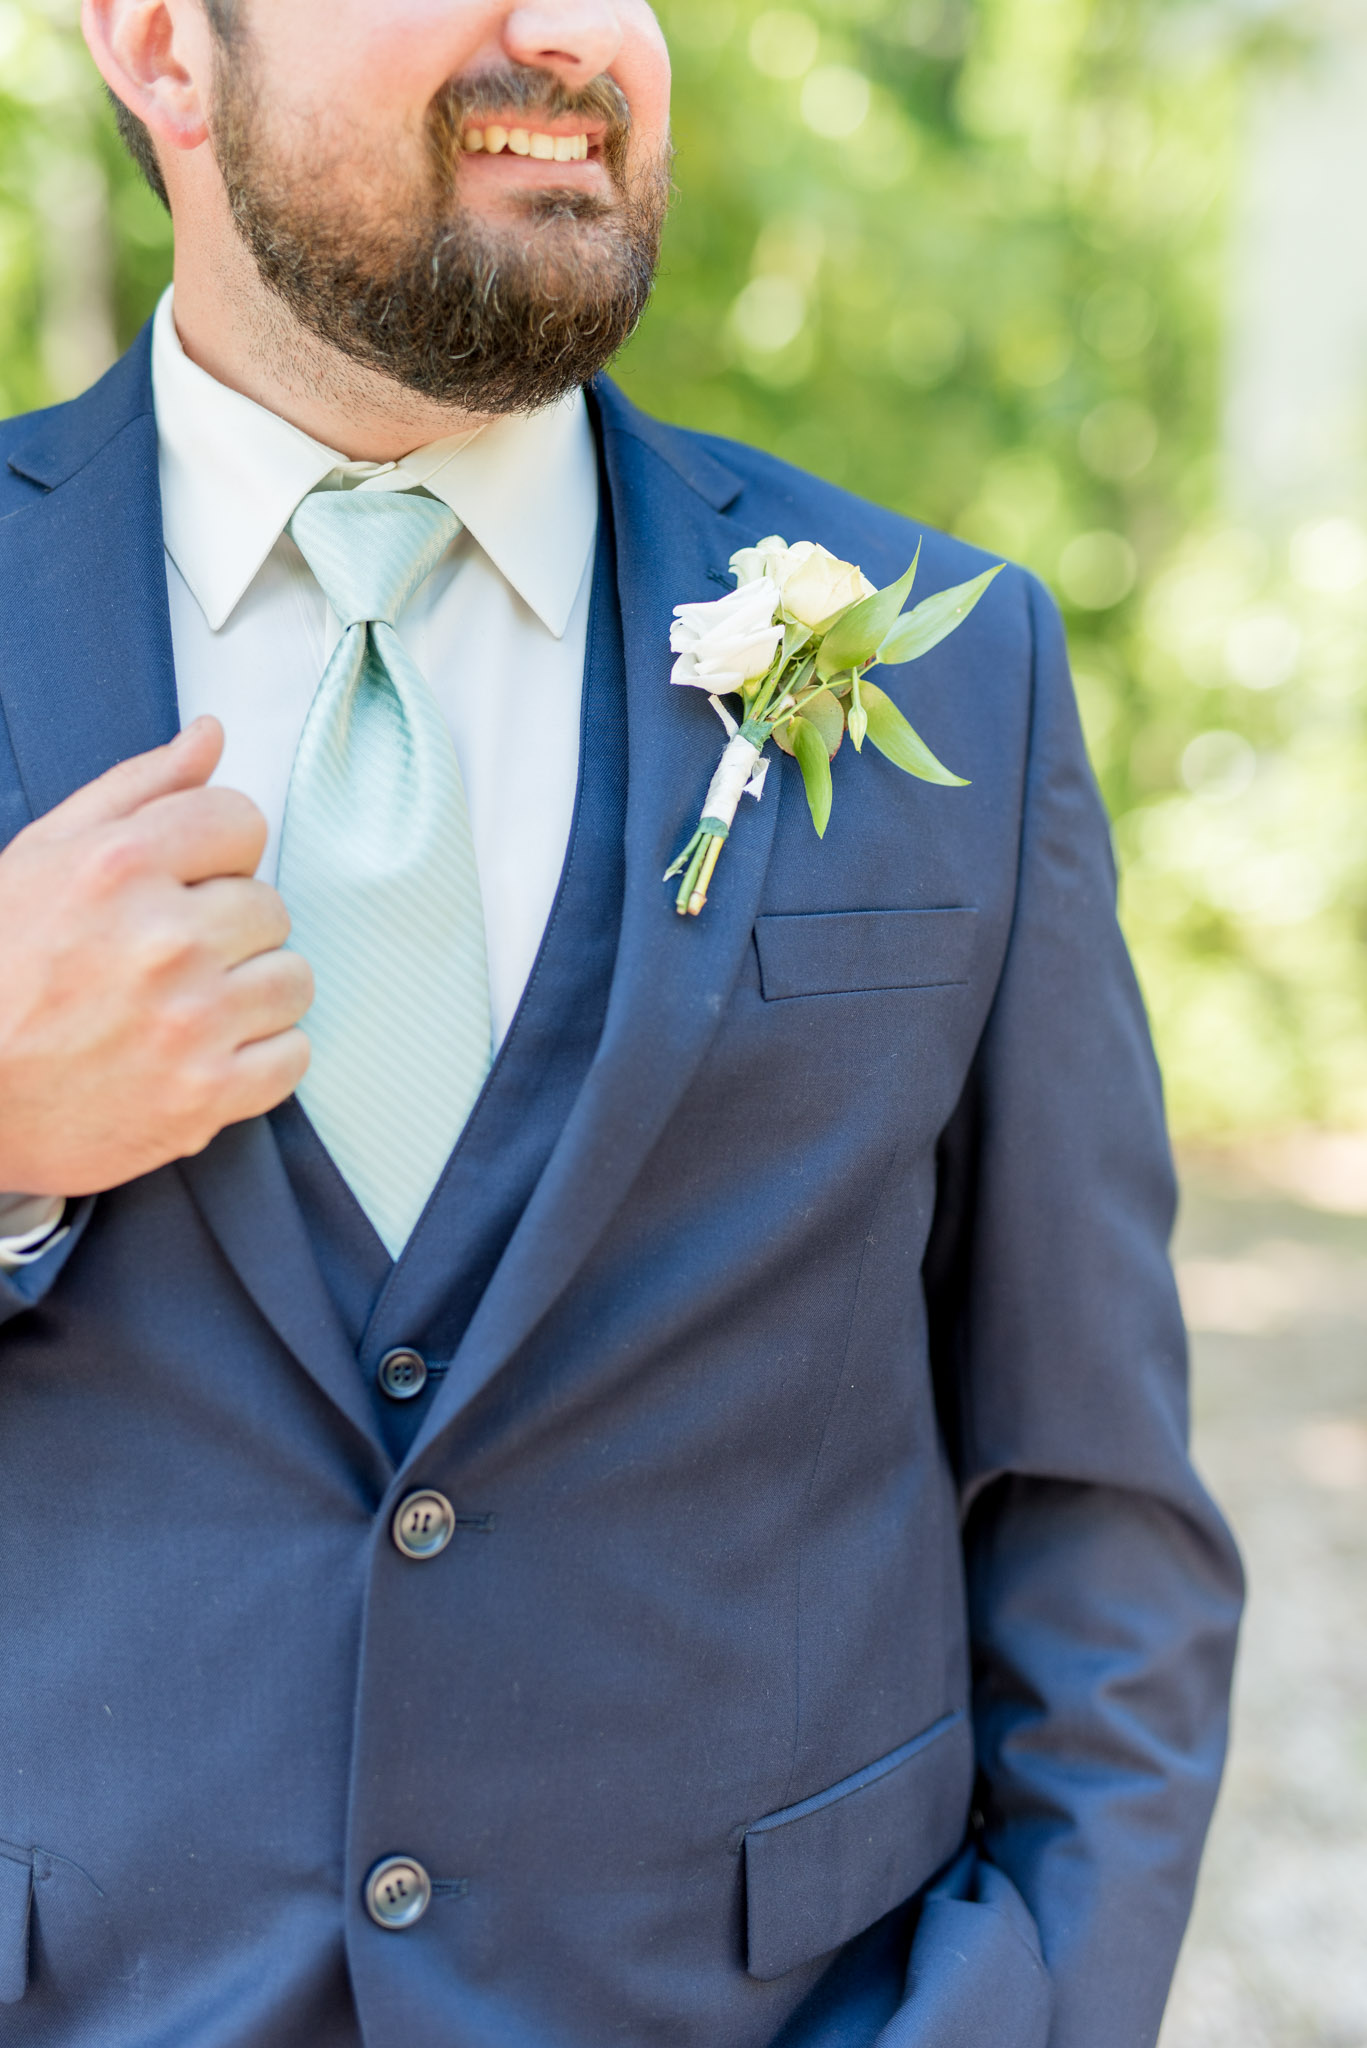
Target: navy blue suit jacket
837 1647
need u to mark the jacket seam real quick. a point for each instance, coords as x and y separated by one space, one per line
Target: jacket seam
968 1411
836 1385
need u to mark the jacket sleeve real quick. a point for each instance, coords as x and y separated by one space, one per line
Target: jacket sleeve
27 1286
1104 1590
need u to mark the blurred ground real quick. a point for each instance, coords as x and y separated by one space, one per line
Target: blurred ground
1276 1291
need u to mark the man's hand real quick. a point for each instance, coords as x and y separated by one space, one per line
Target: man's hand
145 1001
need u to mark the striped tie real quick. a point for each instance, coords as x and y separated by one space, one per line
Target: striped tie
377 869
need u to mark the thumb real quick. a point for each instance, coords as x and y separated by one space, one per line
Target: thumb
186 762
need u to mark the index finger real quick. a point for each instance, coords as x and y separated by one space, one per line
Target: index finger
186 762
197 835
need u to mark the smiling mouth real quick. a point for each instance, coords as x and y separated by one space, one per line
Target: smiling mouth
537 143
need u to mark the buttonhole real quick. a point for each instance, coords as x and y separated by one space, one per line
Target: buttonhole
450 1887
477 1525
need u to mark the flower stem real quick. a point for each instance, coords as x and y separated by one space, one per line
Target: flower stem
683 902
698 895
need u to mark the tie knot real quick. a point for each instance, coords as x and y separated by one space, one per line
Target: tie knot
370 550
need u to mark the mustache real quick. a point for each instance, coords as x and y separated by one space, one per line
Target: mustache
525 88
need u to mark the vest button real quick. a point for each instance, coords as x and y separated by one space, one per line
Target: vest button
403 1373
398 1892
423 1524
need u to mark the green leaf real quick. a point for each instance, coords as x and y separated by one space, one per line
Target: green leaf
815 764
892 736
827 714
933 621
854 638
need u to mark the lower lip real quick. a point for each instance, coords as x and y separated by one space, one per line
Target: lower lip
531 169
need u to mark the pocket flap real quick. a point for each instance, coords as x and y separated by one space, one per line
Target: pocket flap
16 1896
819 1873
849 952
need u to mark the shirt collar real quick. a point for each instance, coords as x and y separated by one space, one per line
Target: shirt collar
232 473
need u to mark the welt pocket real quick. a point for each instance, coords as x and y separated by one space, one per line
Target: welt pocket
28 1875
849 952
820 1872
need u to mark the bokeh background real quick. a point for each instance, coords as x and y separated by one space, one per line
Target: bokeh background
1086 282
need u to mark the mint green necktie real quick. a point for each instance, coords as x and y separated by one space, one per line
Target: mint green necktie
377 870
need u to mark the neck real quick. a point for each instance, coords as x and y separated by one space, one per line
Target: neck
236 329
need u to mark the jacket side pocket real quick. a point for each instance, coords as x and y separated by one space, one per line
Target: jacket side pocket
16 1902
820 1872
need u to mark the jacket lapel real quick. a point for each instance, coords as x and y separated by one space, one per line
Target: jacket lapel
87 678
241 1189
673 975
86 675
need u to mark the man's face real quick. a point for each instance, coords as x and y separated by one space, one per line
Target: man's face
463 195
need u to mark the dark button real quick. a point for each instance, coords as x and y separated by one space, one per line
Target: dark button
423 1524
403 1374
398 1892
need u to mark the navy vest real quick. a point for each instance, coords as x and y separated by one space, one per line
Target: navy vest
425 1299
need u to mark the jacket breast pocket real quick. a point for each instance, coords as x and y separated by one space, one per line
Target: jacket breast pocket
820 1872
851 952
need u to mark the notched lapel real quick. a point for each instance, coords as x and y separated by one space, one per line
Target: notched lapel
86 671
673 975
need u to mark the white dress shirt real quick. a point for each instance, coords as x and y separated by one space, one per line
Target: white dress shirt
499 629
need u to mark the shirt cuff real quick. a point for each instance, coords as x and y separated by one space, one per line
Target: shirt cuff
30 1225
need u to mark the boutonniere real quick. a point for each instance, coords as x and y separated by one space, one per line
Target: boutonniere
795 641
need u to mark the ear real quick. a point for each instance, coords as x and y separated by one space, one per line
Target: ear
157 57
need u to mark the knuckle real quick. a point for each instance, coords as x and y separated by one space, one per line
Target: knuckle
273 904
301 985
168 948
269 917
114 859
236 814
203 1085
181 1031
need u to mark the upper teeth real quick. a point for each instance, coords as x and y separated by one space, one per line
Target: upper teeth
560 149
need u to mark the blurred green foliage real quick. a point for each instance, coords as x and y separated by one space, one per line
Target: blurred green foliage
966 257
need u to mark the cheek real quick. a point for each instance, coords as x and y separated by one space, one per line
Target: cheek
383 64
642 71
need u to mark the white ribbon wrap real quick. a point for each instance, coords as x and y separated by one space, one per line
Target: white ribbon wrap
736 770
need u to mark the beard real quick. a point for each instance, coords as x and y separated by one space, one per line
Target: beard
480 317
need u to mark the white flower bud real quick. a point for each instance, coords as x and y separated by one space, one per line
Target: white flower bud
766 558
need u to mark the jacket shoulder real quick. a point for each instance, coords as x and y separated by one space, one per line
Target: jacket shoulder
767 495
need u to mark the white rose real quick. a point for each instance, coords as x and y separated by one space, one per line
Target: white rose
816 584
766 558
729 642
813 583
